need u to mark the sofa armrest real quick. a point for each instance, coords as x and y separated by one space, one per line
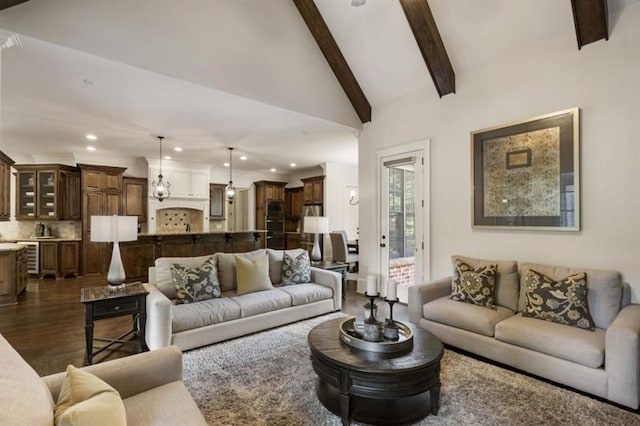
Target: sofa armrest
151 275
159 315
420 294
622 357
133 374
329 279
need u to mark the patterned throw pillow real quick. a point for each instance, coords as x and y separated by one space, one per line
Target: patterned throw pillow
196 284
564 301
474 286
295 270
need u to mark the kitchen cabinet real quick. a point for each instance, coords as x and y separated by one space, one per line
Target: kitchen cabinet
47 192
300 241
293 203
185 183
266 191
69 261
48 258
13 273
217 201
101 196
134 198
313 192
5 187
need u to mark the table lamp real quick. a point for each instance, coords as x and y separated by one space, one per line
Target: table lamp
316 225
114 229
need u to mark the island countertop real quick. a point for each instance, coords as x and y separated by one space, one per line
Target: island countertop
11 246
164 234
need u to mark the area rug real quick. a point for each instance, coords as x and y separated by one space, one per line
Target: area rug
267 379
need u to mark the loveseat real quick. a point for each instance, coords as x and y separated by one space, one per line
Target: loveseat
210 321
604 362
150 384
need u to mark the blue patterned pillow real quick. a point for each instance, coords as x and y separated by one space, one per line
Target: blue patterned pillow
196 284
295 270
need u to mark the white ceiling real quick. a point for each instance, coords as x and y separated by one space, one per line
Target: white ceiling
244 73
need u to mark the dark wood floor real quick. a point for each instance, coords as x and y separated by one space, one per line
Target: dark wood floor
47 325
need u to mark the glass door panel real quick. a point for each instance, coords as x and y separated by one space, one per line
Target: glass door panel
46 194
26 195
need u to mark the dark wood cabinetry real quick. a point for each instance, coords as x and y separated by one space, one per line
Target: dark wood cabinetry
59 258
134 197
5 186
216 201
293 203
13 274
313 192
47 192
101 195
300 241
48 258
266 191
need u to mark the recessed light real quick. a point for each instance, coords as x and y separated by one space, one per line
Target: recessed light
243 157
292 164
226 164
91 136
166 157
177 149
91 148
273 170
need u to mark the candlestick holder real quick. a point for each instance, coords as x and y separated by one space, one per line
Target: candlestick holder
391 330
371 325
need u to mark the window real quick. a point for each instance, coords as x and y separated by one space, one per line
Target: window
401 212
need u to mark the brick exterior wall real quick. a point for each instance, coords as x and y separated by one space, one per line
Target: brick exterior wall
402 270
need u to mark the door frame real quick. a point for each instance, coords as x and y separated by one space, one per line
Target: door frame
424 146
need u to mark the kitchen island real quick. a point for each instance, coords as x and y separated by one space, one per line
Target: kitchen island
13 272
138 256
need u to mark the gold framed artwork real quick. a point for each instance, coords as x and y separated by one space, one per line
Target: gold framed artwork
525 174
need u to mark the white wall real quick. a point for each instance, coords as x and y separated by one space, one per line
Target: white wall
603 79
337 178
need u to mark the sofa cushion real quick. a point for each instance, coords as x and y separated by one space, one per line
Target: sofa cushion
200 314
252 275
85 399
275 262
227 267
168 404
476 286
507 279
164 280
26 399
196 284
466 316
604 295
301 294
260 302
563 302
569 343
295 269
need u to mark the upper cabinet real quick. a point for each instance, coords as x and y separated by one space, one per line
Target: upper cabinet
313 192
47 191
293 202
5 186
134 197
216 201
185 183
268 191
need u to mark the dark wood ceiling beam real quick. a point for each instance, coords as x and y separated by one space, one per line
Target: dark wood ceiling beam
590 20
327 44
6 4
427 36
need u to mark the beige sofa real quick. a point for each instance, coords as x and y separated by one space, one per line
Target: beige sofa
604 362
149 383
202 323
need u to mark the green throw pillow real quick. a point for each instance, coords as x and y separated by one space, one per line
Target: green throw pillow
252 275
295 270
196 284
474 286
564 301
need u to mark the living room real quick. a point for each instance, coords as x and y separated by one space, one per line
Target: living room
512 62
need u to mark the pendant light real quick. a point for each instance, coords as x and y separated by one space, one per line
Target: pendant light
160 188
230 190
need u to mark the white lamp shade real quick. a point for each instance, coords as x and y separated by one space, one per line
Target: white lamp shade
316 224
114 228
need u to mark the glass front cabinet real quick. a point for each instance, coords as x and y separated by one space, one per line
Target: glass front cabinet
42 192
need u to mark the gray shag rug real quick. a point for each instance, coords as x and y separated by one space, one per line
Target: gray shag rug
267 379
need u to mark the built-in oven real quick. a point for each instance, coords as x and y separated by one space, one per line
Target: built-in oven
33 256
274 223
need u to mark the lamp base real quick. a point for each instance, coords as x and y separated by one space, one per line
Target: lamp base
316 255
116 276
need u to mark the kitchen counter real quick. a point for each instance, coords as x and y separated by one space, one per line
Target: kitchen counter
10 246
164 234
48 239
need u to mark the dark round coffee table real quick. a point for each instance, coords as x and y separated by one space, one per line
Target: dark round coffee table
373 387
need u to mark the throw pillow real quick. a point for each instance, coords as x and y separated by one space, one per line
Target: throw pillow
474 286
253 275
87 400
196 284
295 269
564 301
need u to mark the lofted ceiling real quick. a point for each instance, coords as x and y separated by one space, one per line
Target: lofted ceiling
244 73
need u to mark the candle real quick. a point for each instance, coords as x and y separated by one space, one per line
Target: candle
372 287
392 290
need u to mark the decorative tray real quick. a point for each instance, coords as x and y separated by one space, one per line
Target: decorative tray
350 335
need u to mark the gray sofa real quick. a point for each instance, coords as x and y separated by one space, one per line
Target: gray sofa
604 362
149 383
205 322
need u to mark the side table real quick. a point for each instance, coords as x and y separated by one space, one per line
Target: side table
104 302
339 267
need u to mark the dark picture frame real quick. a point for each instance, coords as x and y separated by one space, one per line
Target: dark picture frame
526 174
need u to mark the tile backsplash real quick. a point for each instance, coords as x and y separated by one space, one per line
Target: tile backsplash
176 220
15 230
